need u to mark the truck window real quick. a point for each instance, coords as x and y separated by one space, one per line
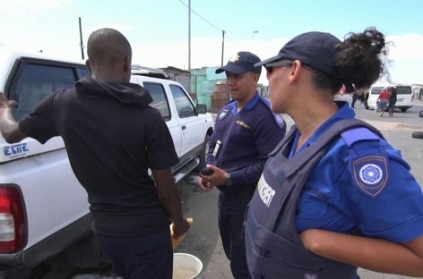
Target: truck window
404 90
34 82
82 72
376 90
183 104
158 94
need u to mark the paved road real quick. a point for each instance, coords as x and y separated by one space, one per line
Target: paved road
203 240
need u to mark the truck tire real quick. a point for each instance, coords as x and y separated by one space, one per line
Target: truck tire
421 114
417 135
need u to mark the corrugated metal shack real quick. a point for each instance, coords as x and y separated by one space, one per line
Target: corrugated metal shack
181 76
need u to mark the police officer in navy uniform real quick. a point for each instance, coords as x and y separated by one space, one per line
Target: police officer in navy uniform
246 131
331 198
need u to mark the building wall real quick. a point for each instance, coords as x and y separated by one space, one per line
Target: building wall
181 76
417 91
208 87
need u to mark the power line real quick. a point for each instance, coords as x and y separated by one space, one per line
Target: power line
48 23
205 20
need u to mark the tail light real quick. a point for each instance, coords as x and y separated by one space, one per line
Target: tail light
13 225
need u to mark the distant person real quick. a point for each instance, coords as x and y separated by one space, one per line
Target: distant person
392 100
382 100
245 132
354 97
349 88
334 194
110 133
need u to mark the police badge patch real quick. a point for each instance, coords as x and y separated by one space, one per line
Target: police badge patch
223 114
371 174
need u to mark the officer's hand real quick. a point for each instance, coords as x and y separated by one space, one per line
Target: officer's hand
204 184
216 178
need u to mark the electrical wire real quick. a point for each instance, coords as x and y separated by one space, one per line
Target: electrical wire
205 20
51 26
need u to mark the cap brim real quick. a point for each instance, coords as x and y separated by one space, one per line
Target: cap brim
232 68
269 60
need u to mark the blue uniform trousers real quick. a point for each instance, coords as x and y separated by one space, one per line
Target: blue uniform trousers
231 218
148 256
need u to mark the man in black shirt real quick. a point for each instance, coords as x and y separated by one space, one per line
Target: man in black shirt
113 137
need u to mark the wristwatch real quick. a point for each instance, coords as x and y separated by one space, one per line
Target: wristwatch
228 180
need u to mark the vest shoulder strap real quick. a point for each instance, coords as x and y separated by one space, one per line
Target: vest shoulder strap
321 143
345 128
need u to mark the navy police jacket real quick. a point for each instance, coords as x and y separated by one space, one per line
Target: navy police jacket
242 140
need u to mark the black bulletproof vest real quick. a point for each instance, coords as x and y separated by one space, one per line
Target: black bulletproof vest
274 249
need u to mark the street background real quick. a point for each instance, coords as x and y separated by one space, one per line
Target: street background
203 239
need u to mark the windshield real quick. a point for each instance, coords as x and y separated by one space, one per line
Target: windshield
376 90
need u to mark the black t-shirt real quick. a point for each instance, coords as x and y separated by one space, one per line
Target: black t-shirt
111 143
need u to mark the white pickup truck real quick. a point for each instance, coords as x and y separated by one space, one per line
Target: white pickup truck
43 208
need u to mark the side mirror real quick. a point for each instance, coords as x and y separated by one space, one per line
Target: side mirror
201 109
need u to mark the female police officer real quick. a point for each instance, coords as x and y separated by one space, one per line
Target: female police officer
321 210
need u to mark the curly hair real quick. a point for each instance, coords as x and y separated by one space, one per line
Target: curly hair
358 61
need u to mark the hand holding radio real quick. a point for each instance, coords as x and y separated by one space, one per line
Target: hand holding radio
206 171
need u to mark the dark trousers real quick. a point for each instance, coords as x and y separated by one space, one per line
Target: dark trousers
148 256
354 99
231 219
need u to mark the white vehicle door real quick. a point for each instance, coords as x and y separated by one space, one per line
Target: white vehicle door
161 102
191 128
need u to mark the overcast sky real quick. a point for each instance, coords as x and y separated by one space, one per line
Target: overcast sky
158 30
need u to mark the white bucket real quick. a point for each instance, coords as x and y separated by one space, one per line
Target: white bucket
186 266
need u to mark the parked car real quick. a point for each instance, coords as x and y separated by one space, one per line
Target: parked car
44 210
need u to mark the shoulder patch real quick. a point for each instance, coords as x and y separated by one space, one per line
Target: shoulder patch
371 174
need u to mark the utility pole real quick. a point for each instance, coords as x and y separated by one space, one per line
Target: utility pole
254 32
189 36
80 38
223 47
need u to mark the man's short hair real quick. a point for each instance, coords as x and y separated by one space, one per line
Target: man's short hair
107 44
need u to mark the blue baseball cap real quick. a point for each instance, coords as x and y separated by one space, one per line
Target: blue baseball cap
316 50
241 63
